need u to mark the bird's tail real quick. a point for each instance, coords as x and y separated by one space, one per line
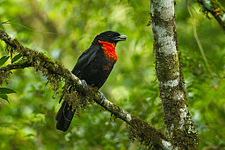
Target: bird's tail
64 116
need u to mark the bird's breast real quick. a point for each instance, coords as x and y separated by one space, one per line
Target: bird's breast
109 51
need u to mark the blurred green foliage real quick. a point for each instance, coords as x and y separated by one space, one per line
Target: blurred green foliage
63 29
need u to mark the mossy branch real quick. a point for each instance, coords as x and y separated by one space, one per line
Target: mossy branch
56 73
216 9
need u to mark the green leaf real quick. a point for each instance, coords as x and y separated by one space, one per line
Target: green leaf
15 58
5 97
6 91
3 60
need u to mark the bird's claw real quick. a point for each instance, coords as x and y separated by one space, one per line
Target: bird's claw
102 97
84 83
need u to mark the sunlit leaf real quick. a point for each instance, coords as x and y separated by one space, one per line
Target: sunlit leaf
3 60
15 58
6 91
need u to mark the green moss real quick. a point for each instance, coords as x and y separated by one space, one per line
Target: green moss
185 140
144 133
162 65
5 75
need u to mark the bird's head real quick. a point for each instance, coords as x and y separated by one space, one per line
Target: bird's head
110 36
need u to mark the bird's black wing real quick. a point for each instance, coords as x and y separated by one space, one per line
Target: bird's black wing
83 61
65 113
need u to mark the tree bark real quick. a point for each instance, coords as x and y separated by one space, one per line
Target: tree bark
170 79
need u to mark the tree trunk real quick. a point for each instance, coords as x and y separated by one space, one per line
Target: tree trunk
180 128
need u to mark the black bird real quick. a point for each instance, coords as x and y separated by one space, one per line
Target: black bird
94 67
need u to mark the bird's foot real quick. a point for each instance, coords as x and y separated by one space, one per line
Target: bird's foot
84 83
102 97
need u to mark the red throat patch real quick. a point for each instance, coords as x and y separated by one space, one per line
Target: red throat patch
109 50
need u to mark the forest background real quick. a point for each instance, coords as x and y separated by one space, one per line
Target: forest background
63 29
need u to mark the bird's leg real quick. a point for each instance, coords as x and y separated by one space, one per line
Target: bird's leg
84 83
102 97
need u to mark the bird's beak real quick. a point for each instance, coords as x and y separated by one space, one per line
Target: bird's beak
121 38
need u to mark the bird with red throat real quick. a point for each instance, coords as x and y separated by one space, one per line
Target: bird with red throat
93 68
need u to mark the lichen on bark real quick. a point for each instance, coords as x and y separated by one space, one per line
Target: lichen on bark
171 84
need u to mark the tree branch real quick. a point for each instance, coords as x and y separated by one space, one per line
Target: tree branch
55 73
216 9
